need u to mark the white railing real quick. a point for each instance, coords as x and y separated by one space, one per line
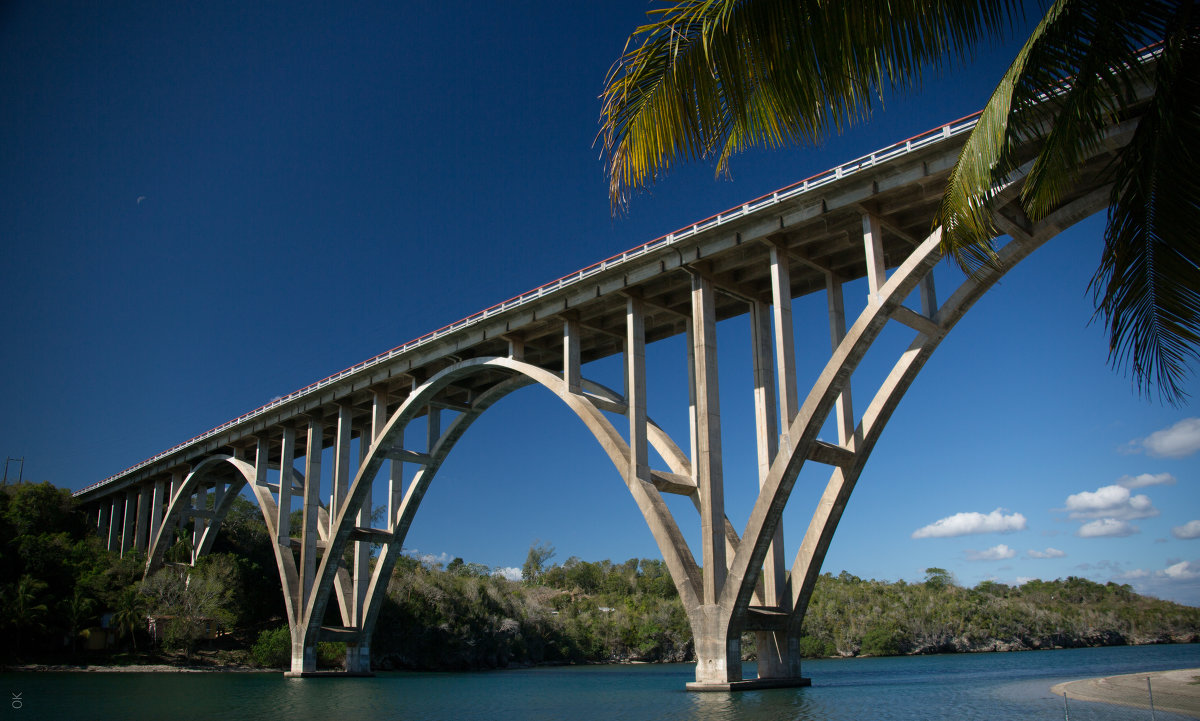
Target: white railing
819 180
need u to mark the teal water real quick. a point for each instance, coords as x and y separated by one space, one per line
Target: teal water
989 686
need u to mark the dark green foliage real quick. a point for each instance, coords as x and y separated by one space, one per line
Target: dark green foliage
273 649
849 616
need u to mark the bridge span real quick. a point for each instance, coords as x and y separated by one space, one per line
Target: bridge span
869 218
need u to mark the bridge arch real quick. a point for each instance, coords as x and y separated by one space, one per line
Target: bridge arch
180 506
585 404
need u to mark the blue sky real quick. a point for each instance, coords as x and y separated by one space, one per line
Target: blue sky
206 206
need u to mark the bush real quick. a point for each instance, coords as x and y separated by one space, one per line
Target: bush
273 649
881 641
813 647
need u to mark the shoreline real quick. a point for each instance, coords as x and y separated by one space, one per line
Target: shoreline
131 668
1176 691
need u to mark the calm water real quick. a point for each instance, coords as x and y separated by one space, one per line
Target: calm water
976 686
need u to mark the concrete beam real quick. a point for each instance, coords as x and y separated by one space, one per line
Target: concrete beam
707 460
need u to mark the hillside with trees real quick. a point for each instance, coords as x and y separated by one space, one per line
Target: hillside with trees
59 588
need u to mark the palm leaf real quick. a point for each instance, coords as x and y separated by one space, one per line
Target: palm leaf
1147 288
708 78
1075 76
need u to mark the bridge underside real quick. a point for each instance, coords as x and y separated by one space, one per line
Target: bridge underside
871 221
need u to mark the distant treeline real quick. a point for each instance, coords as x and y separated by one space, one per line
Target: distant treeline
57 582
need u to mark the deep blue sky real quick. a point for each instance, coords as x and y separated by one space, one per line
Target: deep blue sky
204 206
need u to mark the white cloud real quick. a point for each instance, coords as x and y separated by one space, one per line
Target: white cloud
962 524
1179 581
1178 441
1189 530
1110 502
512 573
1048 553
995 553
1022 580
1146 479
1109 527
1182 571
429 559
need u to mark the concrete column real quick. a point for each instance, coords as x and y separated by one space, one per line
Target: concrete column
104 520
178 476
707 462
767 429
287 465
129 529
571 362
199 523
929 305
341 464
516 348
157 504
114 523
143 517
635 387
785 344
395 492
312 500
773 648
362 550
433 427
837 331
873 246
262 460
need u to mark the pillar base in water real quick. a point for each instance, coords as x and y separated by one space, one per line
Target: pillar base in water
750 684
328 674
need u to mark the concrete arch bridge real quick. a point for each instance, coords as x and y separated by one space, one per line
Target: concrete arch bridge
869 218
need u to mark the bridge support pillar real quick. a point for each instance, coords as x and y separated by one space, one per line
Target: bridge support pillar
778 657
718 653
304 655
358 658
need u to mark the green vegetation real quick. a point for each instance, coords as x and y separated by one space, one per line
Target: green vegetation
850 616
57 581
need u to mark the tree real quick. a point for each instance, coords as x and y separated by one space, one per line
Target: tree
25 608
77 610
189 600
539 555
130 614
708 78
938 578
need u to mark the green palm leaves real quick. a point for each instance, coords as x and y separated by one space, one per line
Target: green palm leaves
708 78
1077 75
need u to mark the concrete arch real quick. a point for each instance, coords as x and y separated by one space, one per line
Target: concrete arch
767 512
198 476
674 548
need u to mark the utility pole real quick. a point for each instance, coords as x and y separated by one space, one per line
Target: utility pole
21 473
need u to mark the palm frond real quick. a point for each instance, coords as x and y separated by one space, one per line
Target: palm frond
1074 76
708 78
1147 288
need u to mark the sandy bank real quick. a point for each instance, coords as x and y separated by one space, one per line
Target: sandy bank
1176 691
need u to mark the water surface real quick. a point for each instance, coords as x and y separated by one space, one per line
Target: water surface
990 686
